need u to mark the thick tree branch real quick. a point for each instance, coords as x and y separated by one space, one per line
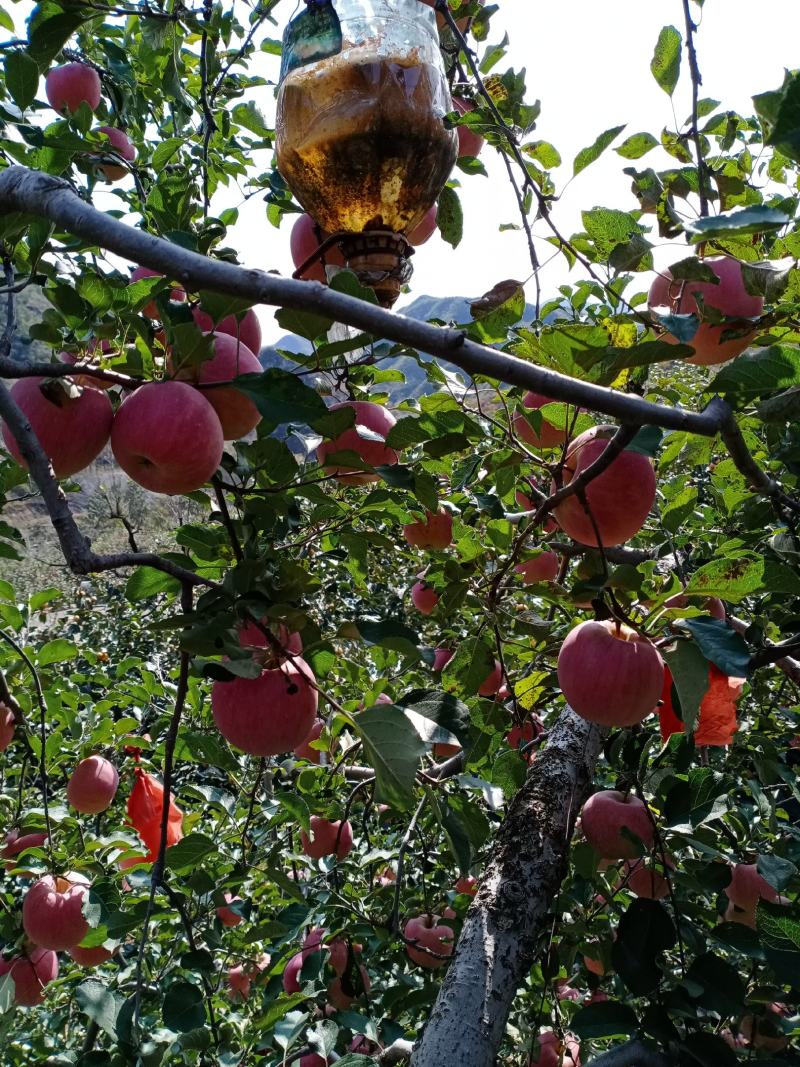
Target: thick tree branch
504 925
41 194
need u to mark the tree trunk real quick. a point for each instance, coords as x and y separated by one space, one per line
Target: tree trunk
503 928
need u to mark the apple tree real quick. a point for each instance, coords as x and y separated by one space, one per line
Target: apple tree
453 716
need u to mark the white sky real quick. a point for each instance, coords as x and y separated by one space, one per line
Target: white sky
589 64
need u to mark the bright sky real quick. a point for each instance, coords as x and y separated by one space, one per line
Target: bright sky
589 64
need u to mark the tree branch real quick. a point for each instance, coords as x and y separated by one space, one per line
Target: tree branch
694 131
508 916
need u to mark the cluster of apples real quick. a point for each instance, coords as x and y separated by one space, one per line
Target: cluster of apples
52 908
169 435
73 84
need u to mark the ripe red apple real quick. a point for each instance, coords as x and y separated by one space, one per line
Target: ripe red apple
52 912
555 1051
425 228
431 938
646 882
435 531
542 568
728 296
605 814
424 597
441 657
268 715
91 957
619 499
747 887
549 436
93 785
303 241
470 143
73 431
167 437
227 916
291 973
247 331
236 412
376 420
17 843
150 310
304 750
467 885
73 84
491 684
31 973
518 736
609 674
120 144
7 726
327 839
712 605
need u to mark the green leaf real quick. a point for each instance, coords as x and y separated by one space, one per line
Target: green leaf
508 772
679 509
785 131
189 852
303 323
282 397
389 633
450 217
441 709
777 871
58 651
393 748
49 28
470 666
665 65
776 929
100 1004
586 156
609 1018
195 746
758 373
689 669
22 78
644 932
647 441
145 582
720 644
758 219
164 152
719 987
637 145
729 579
296 807
182 1009
696 799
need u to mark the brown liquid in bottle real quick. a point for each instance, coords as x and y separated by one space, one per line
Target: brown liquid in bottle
361 141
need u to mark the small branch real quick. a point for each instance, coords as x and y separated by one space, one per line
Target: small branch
227 521
703 177
9 368
789 666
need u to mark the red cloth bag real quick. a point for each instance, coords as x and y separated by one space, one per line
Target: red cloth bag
717 722
145 805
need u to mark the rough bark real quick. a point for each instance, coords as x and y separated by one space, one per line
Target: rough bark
504 927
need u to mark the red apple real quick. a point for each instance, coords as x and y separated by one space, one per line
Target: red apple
491 684
424 597
542 568
227 916
609 674
433 942
747 887
435 531
236 412
441 657
425 228
93 785
728 296
303 241
167 437
17 843
71 85
291 973
619 499
30 973
470 143
646 882
605 814
150 310
327 839
242 976
122 146
555 1051
304 750
91 957
247 331
73 431
7 727
376 420
549 436
518 736
467 885
52 912
269 715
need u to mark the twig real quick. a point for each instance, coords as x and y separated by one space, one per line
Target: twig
694 131
227 521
